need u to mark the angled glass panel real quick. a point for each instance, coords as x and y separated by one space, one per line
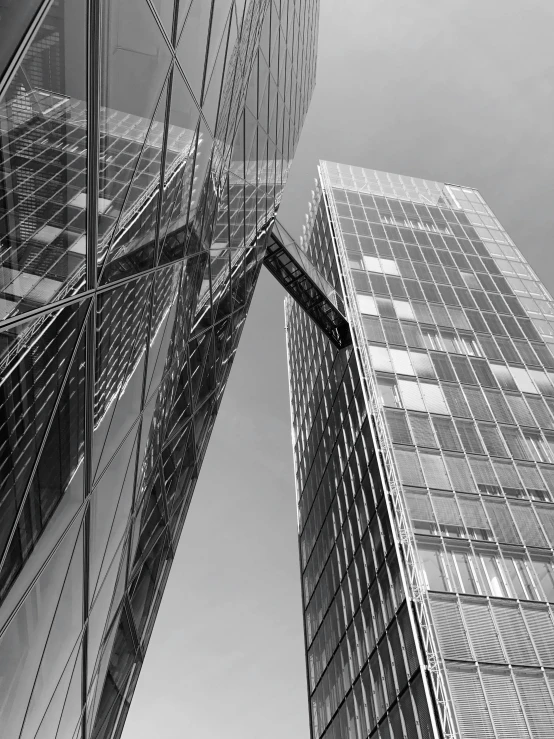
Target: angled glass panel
60 700
122 330
32 382
63 641
111 587
22 643
167 284
43 138
110 509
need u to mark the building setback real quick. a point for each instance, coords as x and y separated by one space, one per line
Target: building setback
424 459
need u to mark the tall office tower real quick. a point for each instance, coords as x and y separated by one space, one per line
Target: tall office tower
144 145
424 460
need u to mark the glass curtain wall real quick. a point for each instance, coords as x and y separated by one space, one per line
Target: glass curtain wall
453 336
143 143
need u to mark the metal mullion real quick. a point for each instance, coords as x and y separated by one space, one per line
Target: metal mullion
93 153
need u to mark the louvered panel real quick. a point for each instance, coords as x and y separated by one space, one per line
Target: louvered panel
435 471
483 471
408 467
446 509
456 401
520 410
493 440
469 436
419 506
483 636
462 480
398 427
450 629
422 431
539 623
446 434
536 701
514 634
504 705
528 525
501 520
540 410
469 702
546 515
507 475
499 407
478 404
531 477
472 512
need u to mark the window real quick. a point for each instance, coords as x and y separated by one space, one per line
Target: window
367 305
451 342
404 309
503 376
434 568
401 362
538 446
545 574
389 392
379 358
519 578
431 339
460 564
492 570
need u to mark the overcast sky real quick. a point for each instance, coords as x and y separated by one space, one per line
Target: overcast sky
459 92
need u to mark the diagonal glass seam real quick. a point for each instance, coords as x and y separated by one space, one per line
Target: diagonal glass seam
73 657
207 52
224 38
44 565
157 244
55 613
48 426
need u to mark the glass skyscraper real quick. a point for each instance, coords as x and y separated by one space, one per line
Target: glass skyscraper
424 462
144 145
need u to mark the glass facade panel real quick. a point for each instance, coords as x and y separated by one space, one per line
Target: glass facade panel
145 146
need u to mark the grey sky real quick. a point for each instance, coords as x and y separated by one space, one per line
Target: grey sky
453 91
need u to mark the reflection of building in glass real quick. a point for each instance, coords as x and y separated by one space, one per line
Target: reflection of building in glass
132 203
425 468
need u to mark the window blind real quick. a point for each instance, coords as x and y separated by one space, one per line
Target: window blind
501 520
505 708
434 471
446 433
514 634
469 700
456 401
469 437
539 622
482 632
536 702
450 629
422 430
478 404
528 524
460 473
